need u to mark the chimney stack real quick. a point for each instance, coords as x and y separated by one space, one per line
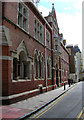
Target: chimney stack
64 42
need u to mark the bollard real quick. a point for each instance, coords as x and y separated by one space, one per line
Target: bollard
41 90
64 86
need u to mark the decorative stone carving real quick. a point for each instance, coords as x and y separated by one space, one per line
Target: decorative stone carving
5 36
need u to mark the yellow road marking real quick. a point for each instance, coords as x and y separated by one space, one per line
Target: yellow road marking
80 114
82 117
52 104
49 107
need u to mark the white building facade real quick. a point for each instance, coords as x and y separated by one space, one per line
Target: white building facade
78 66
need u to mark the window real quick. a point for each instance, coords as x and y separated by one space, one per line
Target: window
38 65
29 69
21 67
48 39
21 63
23 16
38 31
39 68
42 68
56 44
35 68
15 62
48 68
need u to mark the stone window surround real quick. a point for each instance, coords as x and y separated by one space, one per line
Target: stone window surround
49 63
38 54
48 40
56 41
21 48
27 16
35 18
20 79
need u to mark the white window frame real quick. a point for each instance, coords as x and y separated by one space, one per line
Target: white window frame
39 29
48 38
23 16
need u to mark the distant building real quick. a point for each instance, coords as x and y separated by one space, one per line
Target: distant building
60 54
79 66
76 62
71 61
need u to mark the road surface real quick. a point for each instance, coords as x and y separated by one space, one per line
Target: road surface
69 105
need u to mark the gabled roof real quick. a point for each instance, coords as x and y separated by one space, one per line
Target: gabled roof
53 14
52 18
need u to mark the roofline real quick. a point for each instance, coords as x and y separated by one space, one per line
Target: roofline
64 47
33 6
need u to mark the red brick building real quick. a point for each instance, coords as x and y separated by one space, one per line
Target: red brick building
60 55
33 54
72 64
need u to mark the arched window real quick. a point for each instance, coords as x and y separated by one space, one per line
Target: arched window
57 79
22 68
39 67
29 70
42 67
21 63
35 66
48 68
15 63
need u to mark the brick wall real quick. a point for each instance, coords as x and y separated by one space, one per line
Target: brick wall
16 36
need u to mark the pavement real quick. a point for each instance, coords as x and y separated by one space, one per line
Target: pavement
25 108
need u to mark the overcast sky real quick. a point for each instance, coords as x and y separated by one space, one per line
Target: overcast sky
69 17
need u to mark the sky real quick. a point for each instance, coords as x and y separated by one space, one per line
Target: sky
69 18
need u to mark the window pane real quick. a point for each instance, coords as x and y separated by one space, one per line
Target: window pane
20 20
22 16
14 68
20 7
38 30
28 70
24 12
25 23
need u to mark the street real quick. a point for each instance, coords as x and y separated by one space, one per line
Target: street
69 105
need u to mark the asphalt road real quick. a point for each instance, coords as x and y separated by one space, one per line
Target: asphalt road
70 105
